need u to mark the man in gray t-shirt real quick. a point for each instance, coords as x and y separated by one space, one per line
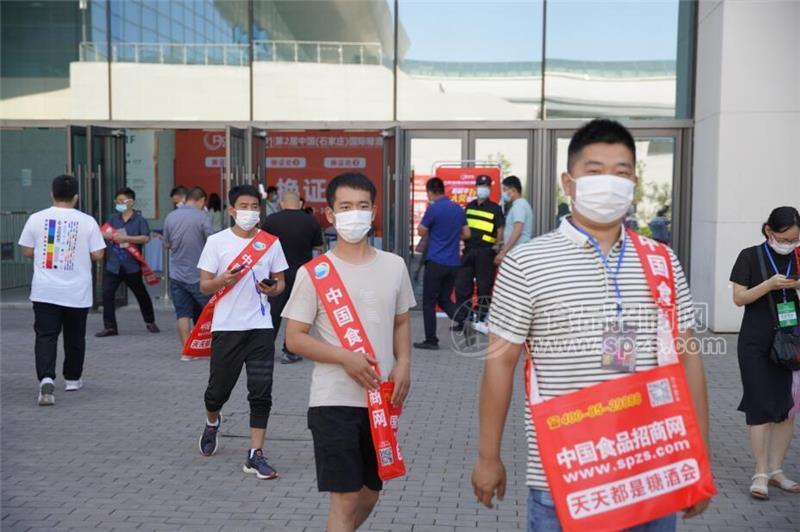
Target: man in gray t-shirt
519 217
185 232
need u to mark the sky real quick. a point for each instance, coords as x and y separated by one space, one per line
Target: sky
502 30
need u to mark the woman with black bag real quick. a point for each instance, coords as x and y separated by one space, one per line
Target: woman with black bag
765 282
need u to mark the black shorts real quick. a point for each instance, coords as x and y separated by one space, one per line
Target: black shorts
343 449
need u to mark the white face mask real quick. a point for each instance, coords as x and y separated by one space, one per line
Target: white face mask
781 249
247 219
353 225
603 198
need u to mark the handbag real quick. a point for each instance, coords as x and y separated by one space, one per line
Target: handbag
785 349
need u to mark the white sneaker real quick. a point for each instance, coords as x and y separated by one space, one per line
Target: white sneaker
72 386
46 389
481 326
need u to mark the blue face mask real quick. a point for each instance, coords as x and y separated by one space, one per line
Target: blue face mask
121 207
483 192
506 197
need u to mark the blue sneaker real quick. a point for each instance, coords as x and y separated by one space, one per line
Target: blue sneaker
259 466
210 439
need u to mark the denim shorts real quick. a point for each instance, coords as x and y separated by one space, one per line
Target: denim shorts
187 299
542 516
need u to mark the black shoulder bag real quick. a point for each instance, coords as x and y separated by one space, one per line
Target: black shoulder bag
785 350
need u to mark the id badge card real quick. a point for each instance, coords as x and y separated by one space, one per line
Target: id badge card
619 348
787 314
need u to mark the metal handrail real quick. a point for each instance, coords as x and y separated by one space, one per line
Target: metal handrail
231 54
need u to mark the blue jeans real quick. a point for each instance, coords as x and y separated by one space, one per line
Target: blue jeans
542 516
188 299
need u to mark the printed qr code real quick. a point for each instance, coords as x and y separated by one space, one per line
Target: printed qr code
660 392
386 456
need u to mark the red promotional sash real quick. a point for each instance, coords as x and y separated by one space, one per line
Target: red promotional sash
199 342
352 335
147 272
629 450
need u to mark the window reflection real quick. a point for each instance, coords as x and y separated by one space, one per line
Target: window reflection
469 60
182 59
616 58
318 60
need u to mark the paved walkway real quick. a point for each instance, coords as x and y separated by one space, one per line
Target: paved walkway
122 452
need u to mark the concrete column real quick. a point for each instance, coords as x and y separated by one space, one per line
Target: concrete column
746 140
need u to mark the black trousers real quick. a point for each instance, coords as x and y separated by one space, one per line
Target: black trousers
437 286
49 320
476 265
230 350
278 303
134 281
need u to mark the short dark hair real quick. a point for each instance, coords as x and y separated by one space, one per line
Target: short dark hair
242 190
126 191
180 190
599 130
271 189
781 219
435 186
513 181
214 202
64 188
352 180
196 194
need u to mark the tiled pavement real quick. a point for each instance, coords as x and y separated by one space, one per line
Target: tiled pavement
122 452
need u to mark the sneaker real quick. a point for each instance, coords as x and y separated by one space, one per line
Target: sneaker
259 466
431 346
152 327
46 392
106 332
481 326
210 439
290 358
73 386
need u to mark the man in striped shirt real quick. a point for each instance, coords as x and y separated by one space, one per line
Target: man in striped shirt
559 293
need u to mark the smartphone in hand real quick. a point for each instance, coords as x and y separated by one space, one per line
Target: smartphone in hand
237 269
269 282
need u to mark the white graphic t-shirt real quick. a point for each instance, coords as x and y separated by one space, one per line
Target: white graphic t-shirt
243 308
62 240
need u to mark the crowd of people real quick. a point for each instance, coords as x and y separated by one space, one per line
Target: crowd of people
483 268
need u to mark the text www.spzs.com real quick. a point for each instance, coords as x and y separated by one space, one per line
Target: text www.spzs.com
627 462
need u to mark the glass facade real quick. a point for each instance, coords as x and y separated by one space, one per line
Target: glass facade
346 60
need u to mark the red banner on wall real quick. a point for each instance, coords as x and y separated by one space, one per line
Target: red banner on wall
199 158
305 161
459 186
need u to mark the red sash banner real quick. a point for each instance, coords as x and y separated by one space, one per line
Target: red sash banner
147 272
199 342
629 450
342 314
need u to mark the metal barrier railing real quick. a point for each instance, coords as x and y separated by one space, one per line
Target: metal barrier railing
230 54
15 269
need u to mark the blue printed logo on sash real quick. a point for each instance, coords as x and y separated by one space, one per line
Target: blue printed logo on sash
321 270
258 246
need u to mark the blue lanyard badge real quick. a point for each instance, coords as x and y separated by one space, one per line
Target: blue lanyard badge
615 273
260 301
775 267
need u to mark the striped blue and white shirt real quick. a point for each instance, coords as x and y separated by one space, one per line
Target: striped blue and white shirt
555 293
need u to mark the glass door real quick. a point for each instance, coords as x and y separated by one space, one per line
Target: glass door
424 150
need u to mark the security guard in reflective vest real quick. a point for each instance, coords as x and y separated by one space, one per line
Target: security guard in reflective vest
485 220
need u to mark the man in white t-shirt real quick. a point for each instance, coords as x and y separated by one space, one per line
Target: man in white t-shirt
380 289
242 332
63 242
